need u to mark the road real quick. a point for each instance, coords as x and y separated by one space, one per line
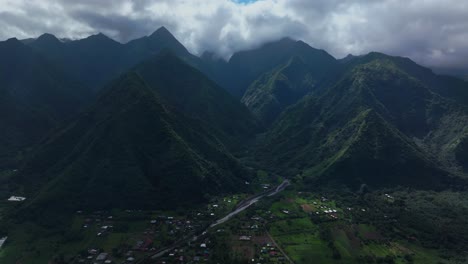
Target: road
241 207
247 203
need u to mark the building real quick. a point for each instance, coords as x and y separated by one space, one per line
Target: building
2 241
16 199
102 257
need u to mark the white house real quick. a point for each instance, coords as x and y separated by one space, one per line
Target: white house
2 241
16 199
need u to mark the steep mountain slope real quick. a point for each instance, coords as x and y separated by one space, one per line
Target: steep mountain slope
247 66
34 97
129 150
143 48
377 125
193 94
269 95
446 86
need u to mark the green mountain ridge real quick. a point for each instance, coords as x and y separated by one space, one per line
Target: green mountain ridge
269 95
129 150
98 59
35 96
190 92
325 138
251 64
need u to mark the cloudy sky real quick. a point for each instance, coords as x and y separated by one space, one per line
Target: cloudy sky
431 32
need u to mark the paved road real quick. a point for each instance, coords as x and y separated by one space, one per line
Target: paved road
241 207
247 203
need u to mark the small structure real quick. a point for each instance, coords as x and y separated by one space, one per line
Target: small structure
16 199
102 257
93 251
244 238
2 241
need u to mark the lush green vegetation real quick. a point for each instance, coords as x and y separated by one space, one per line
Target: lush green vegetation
129 151
378 125
376 148
35 96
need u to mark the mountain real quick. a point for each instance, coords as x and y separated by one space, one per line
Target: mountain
379 124
269 95
247 66
143 48
35 96
129 150
446 86
192 93
91 60
98 59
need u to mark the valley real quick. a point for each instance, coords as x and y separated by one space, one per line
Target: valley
142 152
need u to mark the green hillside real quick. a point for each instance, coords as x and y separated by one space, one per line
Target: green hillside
377 125
190 92
269 95
247 66
34 98
129 150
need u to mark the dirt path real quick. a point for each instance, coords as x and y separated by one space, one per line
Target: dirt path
279 247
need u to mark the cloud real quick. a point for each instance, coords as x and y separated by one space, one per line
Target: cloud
431 32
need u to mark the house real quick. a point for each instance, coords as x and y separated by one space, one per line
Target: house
2 241
244 238
102 256
16 199
93 251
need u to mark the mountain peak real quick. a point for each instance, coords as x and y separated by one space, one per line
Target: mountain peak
11 43
100 36
12 40
48 38
162 31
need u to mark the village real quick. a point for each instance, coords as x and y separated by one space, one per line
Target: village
132 236
287 228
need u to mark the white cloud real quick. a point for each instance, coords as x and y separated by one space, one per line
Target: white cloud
429 31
